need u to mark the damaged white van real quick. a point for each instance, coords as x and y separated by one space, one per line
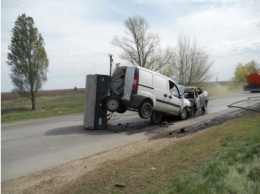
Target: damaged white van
151 94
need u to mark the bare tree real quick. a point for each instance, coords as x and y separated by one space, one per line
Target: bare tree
191 63
140 46
162 59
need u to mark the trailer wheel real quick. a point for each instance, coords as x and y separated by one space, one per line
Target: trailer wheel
112 104
145 110
156 117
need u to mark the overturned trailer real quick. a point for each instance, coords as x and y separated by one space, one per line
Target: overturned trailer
98 93
97 90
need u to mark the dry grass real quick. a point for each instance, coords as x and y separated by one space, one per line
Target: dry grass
44 93
20 108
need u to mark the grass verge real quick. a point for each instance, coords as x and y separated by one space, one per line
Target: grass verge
237 170
20 108
221 159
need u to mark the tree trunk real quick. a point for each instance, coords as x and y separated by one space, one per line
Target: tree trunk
33 101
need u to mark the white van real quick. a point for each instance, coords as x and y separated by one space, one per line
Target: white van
151 94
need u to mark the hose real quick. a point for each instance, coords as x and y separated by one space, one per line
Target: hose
248 99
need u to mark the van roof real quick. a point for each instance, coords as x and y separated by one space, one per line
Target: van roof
125 66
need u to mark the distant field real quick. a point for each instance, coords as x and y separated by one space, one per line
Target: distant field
48 103
45 93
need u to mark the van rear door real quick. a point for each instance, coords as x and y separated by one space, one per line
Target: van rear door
131 76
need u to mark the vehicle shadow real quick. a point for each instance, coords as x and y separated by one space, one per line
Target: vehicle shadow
78 129
128 128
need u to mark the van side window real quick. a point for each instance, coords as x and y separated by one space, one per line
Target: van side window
173 89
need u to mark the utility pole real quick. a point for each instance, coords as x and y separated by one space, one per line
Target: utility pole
111 63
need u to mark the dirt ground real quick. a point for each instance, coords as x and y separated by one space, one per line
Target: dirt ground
48 180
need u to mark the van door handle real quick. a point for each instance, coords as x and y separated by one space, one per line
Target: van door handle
165 95
170 97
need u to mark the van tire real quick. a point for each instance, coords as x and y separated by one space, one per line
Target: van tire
112 104
184 114
145 110
156 117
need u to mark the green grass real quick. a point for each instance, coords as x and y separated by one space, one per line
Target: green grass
235 171
20 108
224 159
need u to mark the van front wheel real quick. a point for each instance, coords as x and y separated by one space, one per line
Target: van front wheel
184 114
145 110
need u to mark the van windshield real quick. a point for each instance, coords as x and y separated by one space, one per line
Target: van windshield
181 89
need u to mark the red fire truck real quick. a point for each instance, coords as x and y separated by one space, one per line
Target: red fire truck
253 82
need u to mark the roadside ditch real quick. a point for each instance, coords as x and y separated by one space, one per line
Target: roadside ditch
209 123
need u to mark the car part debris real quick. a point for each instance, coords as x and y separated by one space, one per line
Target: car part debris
119 185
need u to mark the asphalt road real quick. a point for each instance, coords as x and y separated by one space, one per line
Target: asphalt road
32 146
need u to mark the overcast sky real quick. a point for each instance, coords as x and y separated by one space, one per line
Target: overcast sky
77 33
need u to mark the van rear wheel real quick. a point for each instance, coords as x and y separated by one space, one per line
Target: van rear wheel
145 110
156 117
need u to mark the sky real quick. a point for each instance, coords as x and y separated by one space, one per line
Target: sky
78 33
